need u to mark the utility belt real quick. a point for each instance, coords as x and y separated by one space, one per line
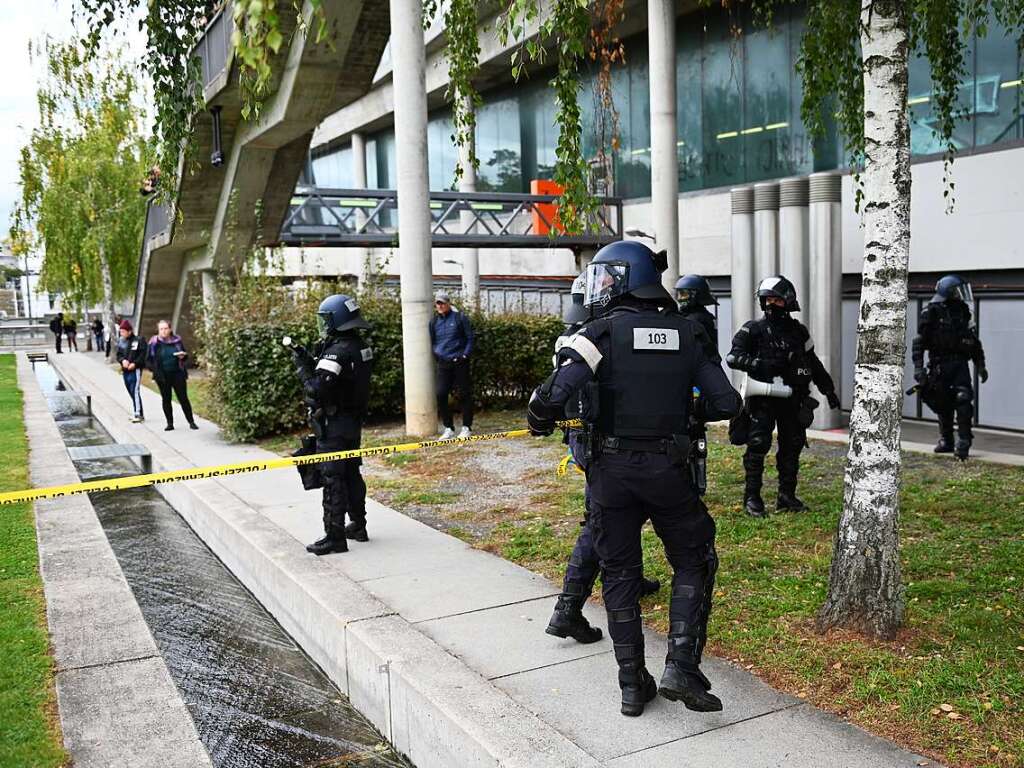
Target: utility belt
682 451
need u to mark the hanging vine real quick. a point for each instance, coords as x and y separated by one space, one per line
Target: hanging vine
463 53
566 28
606 49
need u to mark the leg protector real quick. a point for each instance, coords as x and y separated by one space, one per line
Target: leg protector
635 682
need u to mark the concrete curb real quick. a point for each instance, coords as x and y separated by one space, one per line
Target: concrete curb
431 705
991 457
118 704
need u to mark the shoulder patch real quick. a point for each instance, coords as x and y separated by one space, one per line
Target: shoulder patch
367 354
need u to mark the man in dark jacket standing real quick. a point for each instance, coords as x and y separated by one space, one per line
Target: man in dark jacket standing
451 336
131 356
57 329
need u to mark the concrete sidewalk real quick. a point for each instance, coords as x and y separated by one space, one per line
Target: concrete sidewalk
443 646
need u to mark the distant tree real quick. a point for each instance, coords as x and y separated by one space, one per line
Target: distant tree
80 174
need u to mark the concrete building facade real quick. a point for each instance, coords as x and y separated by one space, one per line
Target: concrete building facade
738 124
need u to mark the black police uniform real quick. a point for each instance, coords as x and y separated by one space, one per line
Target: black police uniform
584 565
951 340
699 314
633 372
778 345
336 385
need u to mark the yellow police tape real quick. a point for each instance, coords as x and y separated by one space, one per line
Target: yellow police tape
242 467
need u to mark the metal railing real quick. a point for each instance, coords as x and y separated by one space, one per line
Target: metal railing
214 47
369 217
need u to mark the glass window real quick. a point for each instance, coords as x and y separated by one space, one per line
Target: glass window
384 153
538 131
924 138
498 147
334 169
689 109
997 88
767 126
442 153
722 74
371 164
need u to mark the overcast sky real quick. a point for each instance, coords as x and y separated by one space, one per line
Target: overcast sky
22 21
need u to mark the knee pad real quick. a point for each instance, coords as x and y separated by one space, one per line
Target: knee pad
963 396
759 443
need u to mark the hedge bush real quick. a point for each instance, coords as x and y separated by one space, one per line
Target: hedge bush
255 392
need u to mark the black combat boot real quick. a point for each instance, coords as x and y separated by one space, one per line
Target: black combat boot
963 448
649 587
356 530
683 681
787 501
568 621
754 504
638 687
945 444
332 542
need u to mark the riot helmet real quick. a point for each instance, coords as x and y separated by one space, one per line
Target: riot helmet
693 290
953 287
339 313
777 287
576 314
624 268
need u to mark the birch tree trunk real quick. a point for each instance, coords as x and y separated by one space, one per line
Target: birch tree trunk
865 589
108 300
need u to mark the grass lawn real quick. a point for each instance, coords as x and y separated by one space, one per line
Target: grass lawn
29 727
951 685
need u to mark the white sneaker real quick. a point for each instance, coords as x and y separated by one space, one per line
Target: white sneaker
464 432
135 419
448 434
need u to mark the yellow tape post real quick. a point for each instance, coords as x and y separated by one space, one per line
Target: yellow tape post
242 467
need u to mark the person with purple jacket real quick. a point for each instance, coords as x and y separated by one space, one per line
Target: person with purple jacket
166 359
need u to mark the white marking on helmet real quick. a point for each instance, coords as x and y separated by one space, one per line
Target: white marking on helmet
367 354
352 305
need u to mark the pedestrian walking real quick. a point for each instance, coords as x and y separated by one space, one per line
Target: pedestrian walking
166 359
57 329
451 336
97 334
71 332
131 356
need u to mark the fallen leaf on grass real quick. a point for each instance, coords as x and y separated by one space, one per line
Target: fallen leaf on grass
954 716
837 665
935 712
946 707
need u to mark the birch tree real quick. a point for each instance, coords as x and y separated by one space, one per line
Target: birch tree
80 175
854 62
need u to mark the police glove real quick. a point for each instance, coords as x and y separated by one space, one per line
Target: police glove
983 375
919 375
833 400
539 424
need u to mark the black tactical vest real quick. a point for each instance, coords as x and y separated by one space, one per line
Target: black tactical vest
645 378
345 414
948 329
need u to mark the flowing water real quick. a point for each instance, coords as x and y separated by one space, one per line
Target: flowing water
258 701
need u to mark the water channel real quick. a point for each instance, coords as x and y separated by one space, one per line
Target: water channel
258 701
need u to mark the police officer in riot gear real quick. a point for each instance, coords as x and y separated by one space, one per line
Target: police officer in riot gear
632 372
945 330
581 571
778 348
336 386
694 296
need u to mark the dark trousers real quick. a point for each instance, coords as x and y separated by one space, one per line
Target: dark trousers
628 488
58 337
584 564
133 383
454 376
767 413
175 382
344 488
98 338
72 341
955 400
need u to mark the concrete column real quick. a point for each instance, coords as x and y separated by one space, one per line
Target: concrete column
825 282
367 262
208 281
766 231
661 31
793 243
742 282
415 268
470 257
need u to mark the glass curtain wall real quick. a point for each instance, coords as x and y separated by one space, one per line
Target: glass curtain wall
738 107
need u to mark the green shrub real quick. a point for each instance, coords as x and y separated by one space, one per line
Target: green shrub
254 389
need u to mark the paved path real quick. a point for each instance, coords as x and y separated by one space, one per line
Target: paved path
991 445
488 615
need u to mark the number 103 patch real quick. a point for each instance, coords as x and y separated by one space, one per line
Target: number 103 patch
656 339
